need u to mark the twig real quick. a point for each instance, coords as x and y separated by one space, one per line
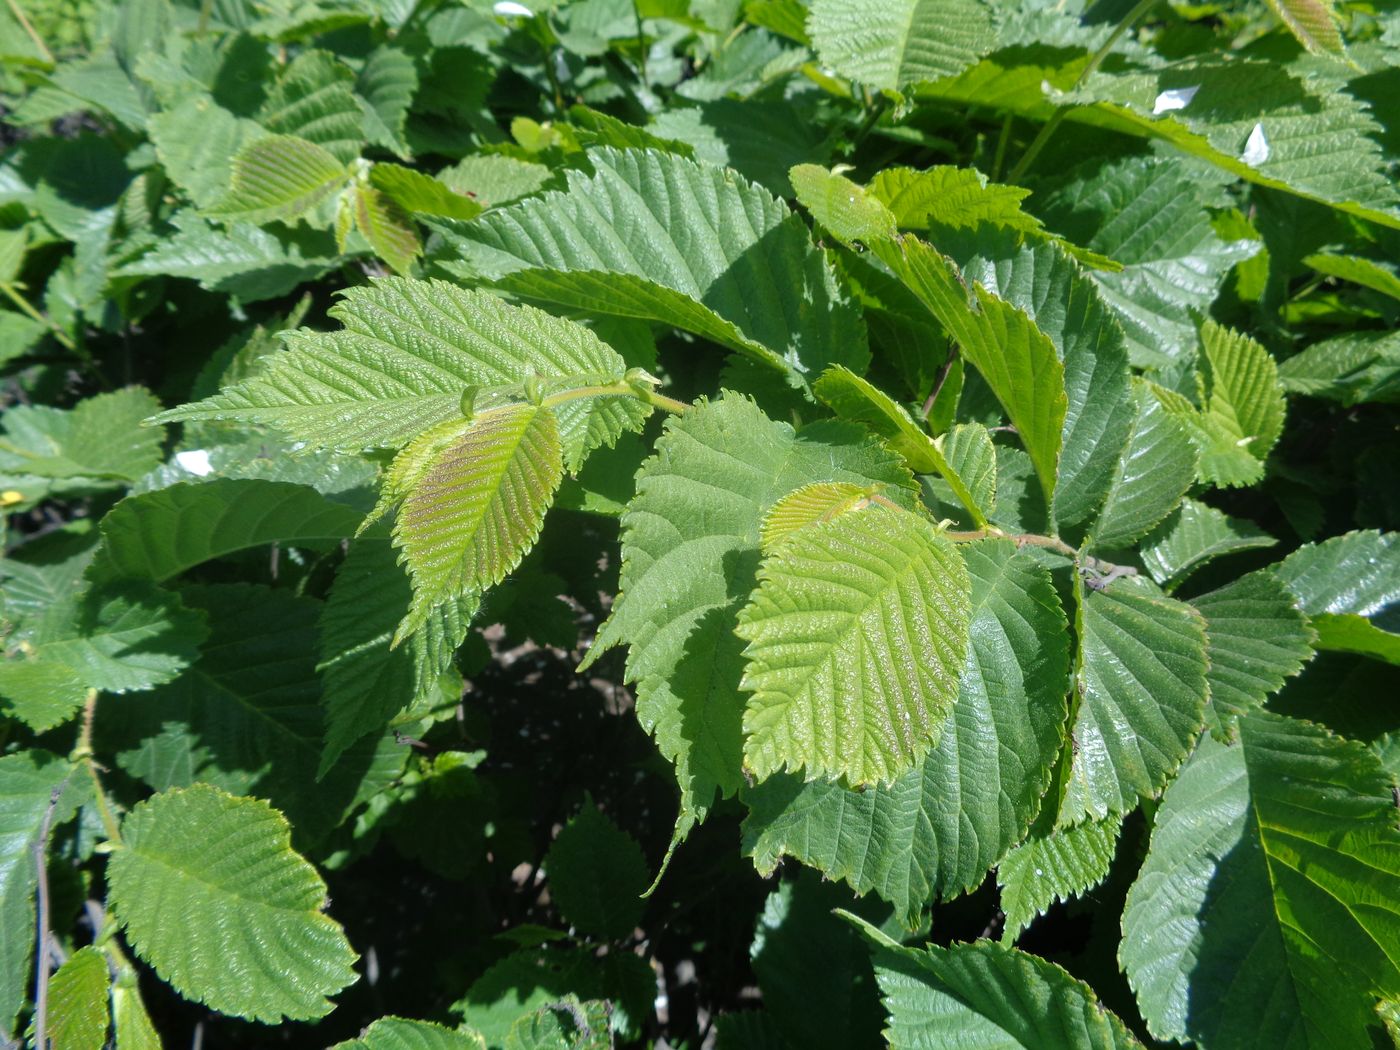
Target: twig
641 45
18 12
942 378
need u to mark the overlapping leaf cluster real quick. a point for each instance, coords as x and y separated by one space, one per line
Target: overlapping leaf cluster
959 434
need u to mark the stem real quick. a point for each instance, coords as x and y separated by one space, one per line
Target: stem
623 389
29 309
874 111
999 161
1107 569
83 753
1095 60
18 12
641 45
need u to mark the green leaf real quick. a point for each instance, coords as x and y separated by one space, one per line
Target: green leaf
1271 878
314 101
983 996
1152 215
854 398
258 944
40 693
100 440
657 236
1142 693
160 534
239 259
197 141
78 1002
30 782
1192 536
597 875
528 980
1054 865
1017 359
281 177
945 197
690 554
134 1029
1052 290
1351 368
394 1033
1349 586
1377 276
1313 23
126 636
247 716
897 45
856 635
936 831
813 969
810 505
367 682
1256 639
385 87
408 352
422 193
1322 144
477 508
1153 474
1244 408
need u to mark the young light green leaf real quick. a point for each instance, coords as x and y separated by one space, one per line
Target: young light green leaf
1272 877
1369 273
854 398
1193 535
856 636
1256 639
1153 474
841 206
259 944
280 178
597 875
809 505
1054 865
30 782
983 996
1313 23
408 352
478 507
1142 694
394 1033
654 235
387 227
690 554
417 192
78 1002
935 832
160 534
893 46
131 1022
1017 359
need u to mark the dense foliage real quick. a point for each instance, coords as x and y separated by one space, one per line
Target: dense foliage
728 522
